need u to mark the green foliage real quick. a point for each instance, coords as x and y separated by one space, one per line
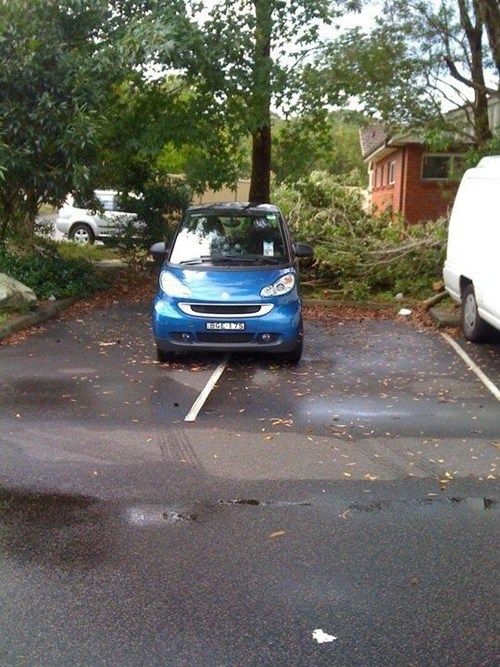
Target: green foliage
48 273
356 254
159 208
238 58
54 76
154 129
91 253
319 142
420 58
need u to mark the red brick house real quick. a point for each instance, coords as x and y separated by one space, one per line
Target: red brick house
405 176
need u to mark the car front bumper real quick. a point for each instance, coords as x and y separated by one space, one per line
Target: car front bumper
277 331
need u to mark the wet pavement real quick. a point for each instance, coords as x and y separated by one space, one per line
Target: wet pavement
354 493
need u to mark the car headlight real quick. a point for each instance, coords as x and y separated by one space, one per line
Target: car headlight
283 285
172 286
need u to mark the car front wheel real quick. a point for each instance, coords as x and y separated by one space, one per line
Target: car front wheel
474 327
82 234
295 355
164 357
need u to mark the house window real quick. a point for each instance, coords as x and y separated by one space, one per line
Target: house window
439 167
392 172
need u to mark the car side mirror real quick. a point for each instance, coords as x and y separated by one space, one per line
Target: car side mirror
159 252
303 250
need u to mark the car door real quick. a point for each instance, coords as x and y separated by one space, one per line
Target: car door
105 221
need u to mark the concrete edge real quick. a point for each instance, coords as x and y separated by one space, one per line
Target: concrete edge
367 305
443 318
45 312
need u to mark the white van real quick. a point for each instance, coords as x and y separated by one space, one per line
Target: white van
472 268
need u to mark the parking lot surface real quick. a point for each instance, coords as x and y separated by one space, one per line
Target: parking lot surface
354 493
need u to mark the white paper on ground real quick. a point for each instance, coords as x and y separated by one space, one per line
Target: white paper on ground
322 637
404 311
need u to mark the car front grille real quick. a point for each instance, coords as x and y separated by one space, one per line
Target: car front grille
225 310
225 338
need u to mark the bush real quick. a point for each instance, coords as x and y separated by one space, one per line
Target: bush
356 254
48 274
159 208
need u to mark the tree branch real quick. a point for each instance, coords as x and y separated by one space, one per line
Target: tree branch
452 68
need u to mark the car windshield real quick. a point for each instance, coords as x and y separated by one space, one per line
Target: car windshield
206 238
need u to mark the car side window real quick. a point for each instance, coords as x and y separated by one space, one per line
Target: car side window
107 202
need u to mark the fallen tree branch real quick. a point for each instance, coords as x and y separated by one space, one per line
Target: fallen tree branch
431 301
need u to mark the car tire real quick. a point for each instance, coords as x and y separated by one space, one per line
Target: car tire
474 328
295 355
162 356
82 234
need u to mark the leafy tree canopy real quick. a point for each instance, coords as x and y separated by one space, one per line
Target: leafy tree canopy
420 59
54 76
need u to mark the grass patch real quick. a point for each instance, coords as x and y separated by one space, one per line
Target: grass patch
92 253
4 316
448 305
47 209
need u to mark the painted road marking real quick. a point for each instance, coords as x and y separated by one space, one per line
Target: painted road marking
473 366
205 392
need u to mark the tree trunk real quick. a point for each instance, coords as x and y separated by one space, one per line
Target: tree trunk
474 35
6 216
489 10
260 184
31 212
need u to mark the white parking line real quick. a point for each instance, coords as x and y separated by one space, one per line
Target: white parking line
205 392
473 366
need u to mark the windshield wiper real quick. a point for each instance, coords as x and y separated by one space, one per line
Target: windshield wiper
239 259
197 260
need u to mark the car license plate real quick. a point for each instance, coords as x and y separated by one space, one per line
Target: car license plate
225 326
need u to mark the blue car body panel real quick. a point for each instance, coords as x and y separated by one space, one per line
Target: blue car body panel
222 287
229 294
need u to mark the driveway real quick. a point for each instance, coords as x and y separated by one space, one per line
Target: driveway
354 494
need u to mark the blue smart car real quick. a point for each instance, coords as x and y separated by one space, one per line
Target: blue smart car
230 282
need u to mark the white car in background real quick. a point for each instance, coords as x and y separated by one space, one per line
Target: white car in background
472 269
84 225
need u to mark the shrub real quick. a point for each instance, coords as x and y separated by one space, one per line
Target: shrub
159 208
357 254
48 274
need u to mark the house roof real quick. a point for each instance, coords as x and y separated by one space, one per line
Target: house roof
377 142
372 137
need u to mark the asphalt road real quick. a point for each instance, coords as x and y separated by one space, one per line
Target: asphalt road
354 493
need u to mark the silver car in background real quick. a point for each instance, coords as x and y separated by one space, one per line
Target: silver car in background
84 225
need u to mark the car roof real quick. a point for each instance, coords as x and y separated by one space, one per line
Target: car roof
235 208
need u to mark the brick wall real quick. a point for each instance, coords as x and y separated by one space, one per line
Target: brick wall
424 199
387 196
415 198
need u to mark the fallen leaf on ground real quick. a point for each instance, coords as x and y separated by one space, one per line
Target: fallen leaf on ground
277 533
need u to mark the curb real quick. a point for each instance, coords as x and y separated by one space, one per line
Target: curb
45 312
368 305
444 318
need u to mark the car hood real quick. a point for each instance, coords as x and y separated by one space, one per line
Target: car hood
227 284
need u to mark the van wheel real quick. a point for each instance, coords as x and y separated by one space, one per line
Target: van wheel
474 327
82 234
